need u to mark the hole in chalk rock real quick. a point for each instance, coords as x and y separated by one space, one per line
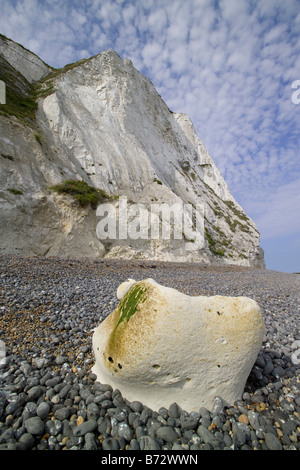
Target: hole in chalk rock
218 365
156 366
111 359
119 365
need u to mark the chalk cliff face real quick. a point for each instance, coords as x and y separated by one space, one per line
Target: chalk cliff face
103 122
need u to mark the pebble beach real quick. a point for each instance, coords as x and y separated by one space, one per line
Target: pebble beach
50 399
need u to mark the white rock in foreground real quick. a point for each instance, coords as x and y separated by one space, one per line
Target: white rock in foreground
160 346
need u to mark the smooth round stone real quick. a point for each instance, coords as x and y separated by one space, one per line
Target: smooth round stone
167 434
189 422
153 323
90 442
85 427
28 440
136 406
43 410
62 413
272 442
110 444
34 425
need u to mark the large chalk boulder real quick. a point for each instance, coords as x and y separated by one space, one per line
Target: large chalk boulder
160 346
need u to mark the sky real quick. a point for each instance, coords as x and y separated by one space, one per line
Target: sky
232 65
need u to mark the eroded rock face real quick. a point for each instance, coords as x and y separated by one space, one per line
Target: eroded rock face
160 346
101 121
24 61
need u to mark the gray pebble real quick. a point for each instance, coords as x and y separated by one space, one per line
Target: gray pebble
217 407
40 362
272 442
34 425
28 440
140 431
55 399
75 442
51 382
177 446
134 445
64 391
269 367
163 412
278 372
206 436
104 425
53 427
93 411
8 446
106 404
90 442
189 422
25 368
144 416
103 387
35 392
6 436
148 443
136 406
85 427
167 434
289 426
240 434
204 413
257 398
110 444
254 419
43 410
174 411
125 431
72 304
62 413
59 360
30 409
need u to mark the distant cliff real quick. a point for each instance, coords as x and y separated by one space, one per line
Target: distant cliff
102 122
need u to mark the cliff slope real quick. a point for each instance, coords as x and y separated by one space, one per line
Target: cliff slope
102 122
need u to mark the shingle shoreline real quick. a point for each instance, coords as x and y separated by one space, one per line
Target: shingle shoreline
49 398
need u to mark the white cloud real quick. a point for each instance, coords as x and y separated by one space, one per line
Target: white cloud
277 214
129 13
109 13
232 9
150 52
275 34
157 21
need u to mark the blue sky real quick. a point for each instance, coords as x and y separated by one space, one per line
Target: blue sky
228 64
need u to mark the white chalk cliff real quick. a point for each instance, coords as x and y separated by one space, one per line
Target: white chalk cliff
103 122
